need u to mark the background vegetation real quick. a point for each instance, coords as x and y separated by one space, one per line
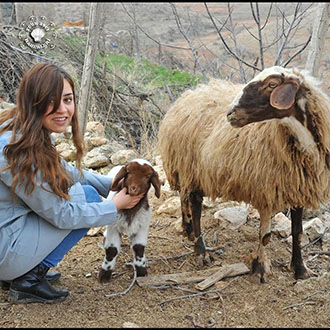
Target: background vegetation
144 61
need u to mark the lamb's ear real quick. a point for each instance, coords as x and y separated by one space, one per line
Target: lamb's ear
283 96
116 184
156 183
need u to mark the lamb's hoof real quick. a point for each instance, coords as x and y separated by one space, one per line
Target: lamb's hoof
141 271
200 260
203 260
105 275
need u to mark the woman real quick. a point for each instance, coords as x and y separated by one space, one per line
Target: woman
46 205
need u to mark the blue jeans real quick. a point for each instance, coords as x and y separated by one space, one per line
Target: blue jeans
74 236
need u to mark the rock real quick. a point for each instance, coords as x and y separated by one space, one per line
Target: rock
63 146
98 141
66 151
123 156
313 229
95 159
5 105
236 216
282 225
95 128
170 206
68 155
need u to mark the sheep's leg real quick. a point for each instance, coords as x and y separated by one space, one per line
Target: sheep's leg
112 249
187 224
191 207
260 262
195 205
139 242
297 263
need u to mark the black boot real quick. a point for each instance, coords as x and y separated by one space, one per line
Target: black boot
34 287
50 277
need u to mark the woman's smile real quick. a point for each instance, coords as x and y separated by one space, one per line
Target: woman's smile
59 120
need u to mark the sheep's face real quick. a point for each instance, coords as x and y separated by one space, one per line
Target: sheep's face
269 98
137 178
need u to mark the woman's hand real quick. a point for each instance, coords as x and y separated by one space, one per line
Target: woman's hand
124 201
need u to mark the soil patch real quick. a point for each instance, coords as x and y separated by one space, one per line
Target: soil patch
281 302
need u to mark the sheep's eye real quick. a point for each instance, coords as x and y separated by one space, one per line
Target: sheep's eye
272 85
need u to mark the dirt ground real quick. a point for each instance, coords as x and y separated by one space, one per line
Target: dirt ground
281 302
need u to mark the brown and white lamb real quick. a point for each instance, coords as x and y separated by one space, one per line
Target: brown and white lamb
137 176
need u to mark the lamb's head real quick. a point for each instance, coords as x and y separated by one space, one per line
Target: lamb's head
273 93
137 176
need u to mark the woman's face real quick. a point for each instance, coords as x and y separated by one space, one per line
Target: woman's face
59 120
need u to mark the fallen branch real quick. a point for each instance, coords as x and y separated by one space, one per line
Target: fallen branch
225 271
125 291
223 309
190 277
314 293
300 304
320 252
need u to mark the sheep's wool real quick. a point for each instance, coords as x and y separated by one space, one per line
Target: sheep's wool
201 151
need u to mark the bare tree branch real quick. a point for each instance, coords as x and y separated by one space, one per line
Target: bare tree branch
185 35
225 43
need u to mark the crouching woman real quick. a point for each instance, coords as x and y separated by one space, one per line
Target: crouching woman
46 205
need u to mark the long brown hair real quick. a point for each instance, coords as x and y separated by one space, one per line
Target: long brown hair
30 149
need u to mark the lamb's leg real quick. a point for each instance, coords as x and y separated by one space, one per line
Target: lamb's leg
140 261
187 224
297 263
112 249
139 242
260 262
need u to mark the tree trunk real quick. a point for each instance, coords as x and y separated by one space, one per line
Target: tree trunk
320 28
88 70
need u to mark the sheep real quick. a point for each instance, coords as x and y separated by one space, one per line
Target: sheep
266 144
138 176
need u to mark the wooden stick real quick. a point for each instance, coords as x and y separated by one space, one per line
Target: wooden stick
300 304
225 271
320 252
189 277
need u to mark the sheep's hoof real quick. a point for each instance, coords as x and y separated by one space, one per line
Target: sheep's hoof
105 275
257 278
260 272
301 272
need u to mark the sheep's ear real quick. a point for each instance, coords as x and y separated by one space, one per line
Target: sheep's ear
283 96
116 183
156 183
